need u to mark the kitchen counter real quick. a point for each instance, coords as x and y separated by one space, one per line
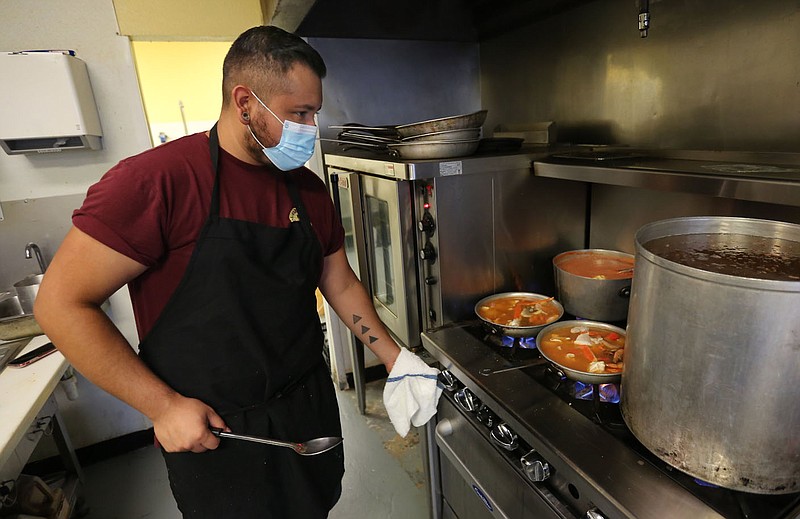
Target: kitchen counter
26 396
23 392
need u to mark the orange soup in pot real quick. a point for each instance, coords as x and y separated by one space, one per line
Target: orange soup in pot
584 347
519 311
596 264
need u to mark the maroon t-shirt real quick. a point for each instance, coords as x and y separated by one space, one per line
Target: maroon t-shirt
151 207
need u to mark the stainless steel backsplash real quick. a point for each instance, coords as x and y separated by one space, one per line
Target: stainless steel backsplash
718 74
44 221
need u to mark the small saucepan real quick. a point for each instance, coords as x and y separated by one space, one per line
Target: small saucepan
580 341
518 314
594 283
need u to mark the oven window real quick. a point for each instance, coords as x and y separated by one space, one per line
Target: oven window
380 252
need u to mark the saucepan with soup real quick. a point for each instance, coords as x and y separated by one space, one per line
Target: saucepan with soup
518 314
587 351
594 283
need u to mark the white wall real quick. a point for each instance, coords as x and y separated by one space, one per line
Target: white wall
89 28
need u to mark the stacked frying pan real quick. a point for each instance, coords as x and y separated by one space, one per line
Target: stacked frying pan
455 136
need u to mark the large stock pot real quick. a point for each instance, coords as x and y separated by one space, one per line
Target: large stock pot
712 362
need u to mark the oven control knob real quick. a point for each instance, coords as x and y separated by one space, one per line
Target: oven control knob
467 400
486 417
536 469
428 252
426 224
505 437
448 380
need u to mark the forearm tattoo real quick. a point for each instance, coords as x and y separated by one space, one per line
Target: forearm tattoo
364 330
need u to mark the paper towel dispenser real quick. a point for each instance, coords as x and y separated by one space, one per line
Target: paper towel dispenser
46 104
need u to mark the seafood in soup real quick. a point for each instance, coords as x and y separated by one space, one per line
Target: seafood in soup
520 311
585 348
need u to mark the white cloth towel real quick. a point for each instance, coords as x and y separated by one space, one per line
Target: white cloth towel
411 392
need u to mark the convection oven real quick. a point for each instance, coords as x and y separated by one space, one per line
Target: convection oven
410 225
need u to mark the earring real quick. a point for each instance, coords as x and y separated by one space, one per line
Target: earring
245 116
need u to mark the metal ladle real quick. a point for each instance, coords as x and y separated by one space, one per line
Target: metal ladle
307 448
489 371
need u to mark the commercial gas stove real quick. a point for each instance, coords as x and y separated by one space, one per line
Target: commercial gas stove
531 443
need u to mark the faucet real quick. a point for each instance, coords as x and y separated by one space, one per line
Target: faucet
32 249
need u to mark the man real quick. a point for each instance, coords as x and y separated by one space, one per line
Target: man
222 238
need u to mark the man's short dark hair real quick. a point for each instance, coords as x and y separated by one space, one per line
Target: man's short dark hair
260 58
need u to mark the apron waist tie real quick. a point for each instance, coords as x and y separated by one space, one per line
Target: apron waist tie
285 390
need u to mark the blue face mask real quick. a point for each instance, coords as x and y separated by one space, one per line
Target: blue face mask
295 147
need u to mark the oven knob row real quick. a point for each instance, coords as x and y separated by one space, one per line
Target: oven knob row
505 437
426 224
448 380
486 416
467 400
536 469
428 253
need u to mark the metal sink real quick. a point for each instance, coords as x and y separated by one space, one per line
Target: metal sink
26 289
9 304
16 309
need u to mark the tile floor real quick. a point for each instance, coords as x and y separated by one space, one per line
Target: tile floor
383 475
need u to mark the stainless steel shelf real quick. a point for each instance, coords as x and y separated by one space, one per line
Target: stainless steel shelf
768 182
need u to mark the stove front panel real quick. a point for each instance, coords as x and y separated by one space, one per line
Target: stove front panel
588 463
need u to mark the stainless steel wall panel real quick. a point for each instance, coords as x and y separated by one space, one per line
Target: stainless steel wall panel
618 212
719 74
499 233
465 218
381 82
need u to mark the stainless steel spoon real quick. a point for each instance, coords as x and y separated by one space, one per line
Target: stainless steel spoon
307 448
489 371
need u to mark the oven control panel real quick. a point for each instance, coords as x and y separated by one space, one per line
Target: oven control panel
530 464
428 247
520 457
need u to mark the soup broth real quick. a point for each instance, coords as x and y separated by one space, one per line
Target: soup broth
519 311
596 265
733 254
585 348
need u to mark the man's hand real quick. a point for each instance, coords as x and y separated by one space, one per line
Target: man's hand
183 425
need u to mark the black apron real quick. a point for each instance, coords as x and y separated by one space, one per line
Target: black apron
242 334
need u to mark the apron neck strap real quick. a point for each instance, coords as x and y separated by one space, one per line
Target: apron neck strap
213 148
294 193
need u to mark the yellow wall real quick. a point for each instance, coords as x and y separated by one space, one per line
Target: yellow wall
174 72
178 48
182 20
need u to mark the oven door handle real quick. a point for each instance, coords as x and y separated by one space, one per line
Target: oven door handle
444 430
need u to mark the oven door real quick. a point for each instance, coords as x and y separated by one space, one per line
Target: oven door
391 255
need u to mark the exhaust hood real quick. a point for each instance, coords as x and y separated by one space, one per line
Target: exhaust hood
46 103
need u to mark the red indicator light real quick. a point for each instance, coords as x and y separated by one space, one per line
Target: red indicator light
426 205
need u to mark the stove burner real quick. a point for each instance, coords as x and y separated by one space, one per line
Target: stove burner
512 343
526 343
609 393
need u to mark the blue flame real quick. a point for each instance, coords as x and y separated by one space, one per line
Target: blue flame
526 343
608 392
